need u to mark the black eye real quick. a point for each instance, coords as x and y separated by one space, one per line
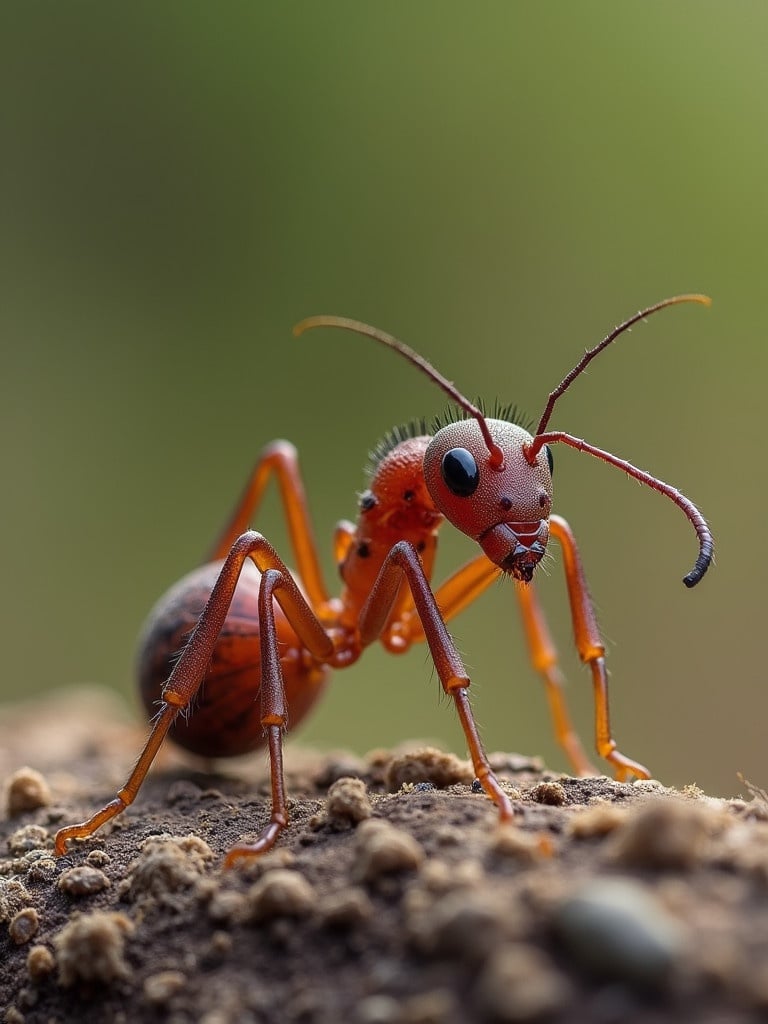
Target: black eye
550 460
460 472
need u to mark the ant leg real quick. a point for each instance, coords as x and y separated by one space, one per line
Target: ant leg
403 562
460 589
591 651
274 718
543 656
189 672
456 593
281 460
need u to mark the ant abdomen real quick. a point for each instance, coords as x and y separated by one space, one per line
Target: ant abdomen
225 720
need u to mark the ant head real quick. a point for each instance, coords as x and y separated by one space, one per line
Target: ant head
506 507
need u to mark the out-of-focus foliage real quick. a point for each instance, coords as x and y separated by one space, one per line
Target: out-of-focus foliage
498 184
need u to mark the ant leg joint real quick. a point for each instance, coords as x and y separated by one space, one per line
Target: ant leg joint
274 719
457 683
279 448
606 747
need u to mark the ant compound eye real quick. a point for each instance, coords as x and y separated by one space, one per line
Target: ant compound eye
460 472
550 459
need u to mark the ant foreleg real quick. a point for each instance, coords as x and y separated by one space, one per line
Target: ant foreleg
463 587
591 651
456 593
403 562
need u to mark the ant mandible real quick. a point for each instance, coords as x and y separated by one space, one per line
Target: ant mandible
247 628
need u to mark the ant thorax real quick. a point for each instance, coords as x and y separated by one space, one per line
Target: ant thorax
397 506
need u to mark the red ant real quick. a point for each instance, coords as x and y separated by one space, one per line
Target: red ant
247 627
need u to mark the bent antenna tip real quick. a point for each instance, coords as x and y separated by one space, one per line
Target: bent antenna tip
703 300
697 573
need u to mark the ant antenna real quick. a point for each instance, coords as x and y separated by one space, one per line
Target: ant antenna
590 354
496 460
542 437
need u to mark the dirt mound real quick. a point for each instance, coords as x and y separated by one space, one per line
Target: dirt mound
393 898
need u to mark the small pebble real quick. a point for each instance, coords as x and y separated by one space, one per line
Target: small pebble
524 847
347 802
161 987
648 786
449 835
251 868
26 790
346 908
42 869
225 905
13 898
280 893
29 837
24 926
383 849
40 963
597 821
91 948
427 765
665 834
551 793
28 997
83 880
98 858
616 929
465 923
438 876
221 943
166 864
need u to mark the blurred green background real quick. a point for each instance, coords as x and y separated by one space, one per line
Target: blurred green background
496 183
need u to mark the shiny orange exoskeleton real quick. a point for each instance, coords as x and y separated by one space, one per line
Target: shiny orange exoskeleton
244 646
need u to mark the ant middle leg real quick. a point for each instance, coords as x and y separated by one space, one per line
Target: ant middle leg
459 591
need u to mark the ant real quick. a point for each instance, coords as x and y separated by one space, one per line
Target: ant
257 642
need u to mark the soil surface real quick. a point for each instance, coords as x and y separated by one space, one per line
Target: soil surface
393 898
